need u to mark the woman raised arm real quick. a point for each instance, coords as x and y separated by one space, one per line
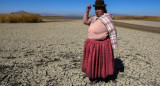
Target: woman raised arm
85 17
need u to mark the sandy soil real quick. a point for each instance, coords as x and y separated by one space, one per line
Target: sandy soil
50 54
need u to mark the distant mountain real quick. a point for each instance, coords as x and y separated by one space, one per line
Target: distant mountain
20 12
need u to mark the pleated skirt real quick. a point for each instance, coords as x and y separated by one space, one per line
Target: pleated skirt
98 58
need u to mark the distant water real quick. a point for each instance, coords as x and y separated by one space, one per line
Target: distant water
72 17
65 17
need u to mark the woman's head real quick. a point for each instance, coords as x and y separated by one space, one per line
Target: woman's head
100 7
100 11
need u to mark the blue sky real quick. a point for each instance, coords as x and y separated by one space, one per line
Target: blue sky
78 7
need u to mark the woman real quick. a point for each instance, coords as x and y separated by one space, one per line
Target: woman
98 56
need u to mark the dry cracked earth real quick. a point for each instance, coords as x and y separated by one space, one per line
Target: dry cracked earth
50 54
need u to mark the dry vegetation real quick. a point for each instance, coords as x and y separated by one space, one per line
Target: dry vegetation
35 18
16 18
138 17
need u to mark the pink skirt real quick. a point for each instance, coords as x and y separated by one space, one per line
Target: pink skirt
98 58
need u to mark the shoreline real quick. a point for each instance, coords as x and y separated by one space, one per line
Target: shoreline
138 27
117 23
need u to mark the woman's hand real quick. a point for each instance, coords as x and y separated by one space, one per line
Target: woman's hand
88 8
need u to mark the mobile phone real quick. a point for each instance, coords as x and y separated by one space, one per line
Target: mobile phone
89 7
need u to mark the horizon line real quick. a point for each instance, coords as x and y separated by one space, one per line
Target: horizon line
71 14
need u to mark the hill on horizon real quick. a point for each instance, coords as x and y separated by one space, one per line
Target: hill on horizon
20 12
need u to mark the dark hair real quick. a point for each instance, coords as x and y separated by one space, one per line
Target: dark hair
102 8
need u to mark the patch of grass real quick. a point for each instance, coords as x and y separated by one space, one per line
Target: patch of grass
20 18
